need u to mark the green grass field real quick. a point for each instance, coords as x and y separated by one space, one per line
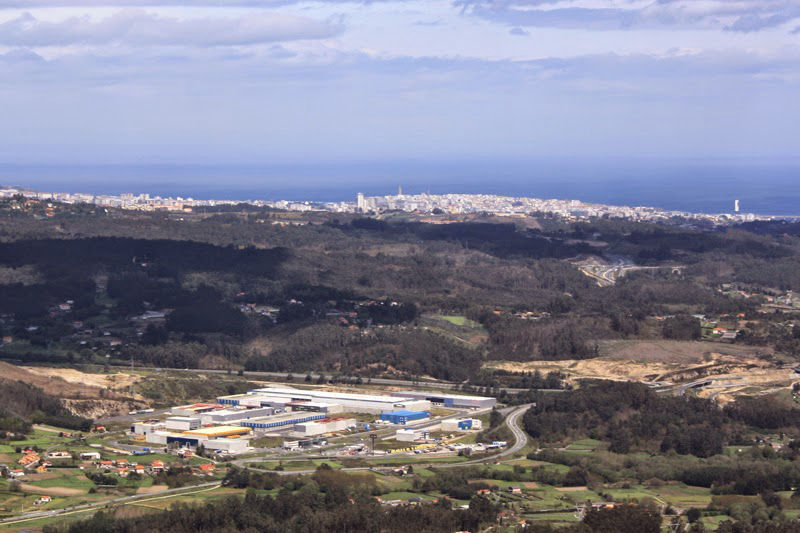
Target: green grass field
583 446
300 464
456 320
404 495
71 479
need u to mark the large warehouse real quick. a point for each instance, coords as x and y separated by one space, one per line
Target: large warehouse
254 400
194 409
230 439
286 419
318 407
449 400
351 402
234 414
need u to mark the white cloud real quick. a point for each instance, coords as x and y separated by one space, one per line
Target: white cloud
139 28
31 4
733 15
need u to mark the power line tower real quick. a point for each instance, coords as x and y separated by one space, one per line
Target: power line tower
133 379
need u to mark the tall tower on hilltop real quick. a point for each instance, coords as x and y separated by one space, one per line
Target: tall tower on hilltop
736 206
399 190
361 203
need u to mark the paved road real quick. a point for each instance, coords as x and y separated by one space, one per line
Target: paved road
608 274
512 421
300 376
89 506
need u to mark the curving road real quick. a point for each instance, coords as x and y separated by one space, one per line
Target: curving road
521 438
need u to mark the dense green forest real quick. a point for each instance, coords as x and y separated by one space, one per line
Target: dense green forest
261 289
22 404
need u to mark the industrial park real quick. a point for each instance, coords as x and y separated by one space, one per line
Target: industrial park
227 426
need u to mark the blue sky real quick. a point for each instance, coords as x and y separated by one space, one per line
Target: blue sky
264 81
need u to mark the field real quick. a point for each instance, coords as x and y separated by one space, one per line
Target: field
301 464
456 327
458 320
537 502
145 505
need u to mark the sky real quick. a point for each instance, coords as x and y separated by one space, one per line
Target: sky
282 81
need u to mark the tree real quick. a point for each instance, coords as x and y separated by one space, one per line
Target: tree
625 518
771 499
693 515
682 327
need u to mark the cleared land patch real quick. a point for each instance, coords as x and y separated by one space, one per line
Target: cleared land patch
153 489
50 491
727 371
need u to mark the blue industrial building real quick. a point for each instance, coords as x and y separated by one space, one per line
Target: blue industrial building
404 417
274 422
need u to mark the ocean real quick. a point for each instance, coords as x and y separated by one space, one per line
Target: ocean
705 186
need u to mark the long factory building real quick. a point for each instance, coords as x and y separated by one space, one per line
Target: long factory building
449 400
285 419
350 402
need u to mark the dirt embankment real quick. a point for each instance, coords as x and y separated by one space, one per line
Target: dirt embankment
84 394
730 370
102 408
115 382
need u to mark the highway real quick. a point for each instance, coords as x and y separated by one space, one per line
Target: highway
300 376
608 274
520 437
97 505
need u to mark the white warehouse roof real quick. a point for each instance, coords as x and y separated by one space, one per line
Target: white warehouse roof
333 396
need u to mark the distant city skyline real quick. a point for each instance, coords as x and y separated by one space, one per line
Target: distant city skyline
288 81
423 203
764 186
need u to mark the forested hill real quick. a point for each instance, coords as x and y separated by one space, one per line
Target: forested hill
21 404
269 290
168 257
